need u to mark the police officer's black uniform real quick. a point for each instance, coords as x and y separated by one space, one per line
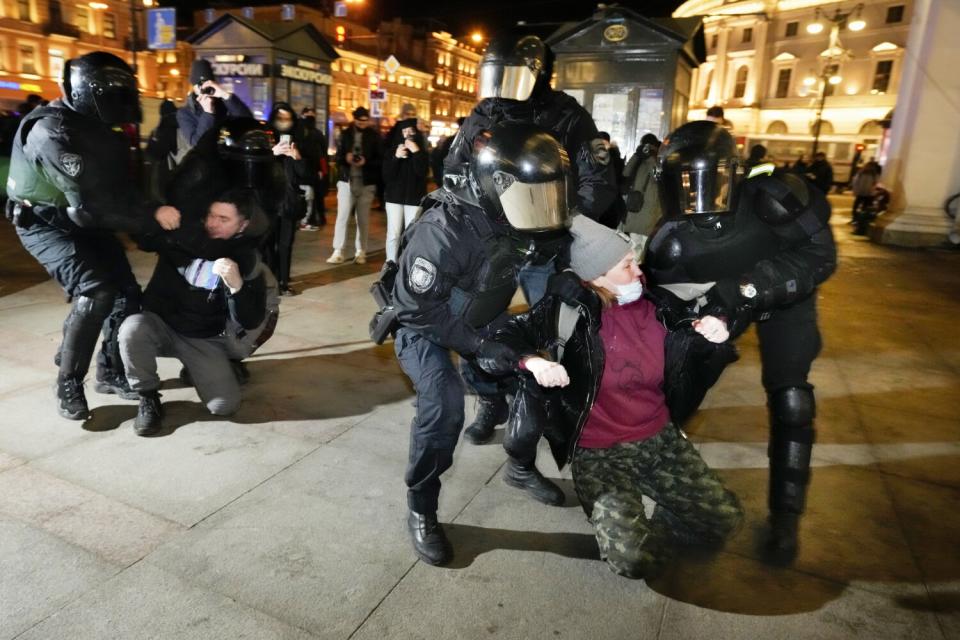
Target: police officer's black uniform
70 189
515 87
457 275
767 244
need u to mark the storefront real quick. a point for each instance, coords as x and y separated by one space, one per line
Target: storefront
268 62
630 72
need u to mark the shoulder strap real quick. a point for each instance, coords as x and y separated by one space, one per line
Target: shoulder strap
566 324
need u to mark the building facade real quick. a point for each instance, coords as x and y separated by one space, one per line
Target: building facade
771 74
456 69
38 36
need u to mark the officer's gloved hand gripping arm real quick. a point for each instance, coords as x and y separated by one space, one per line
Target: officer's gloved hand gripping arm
800 216
93 201
430 266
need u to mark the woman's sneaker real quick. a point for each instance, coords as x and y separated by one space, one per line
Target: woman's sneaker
336 258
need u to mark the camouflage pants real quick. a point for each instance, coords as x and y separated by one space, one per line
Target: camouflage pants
693 506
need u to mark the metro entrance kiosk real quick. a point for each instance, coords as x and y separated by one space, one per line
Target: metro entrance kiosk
268 62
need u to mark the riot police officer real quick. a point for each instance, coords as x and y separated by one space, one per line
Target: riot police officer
765 241
515 86
457 275
69 190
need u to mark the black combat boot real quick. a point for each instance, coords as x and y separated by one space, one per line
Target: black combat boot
782 543
115 383
526 476
429 541
148 420
490 413
71 401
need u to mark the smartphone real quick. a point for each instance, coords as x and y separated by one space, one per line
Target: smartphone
285 138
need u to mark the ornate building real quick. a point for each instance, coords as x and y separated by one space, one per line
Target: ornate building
455 81
38 36
771 72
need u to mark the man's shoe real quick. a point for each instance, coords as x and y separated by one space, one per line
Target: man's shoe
782 544
429 541
528 478
490 413
336 258
360 258
71 401
148 421
112 382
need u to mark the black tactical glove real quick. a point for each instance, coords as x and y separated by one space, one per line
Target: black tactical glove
495 357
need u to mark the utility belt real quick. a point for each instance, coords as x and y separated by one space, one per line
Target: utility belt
384 323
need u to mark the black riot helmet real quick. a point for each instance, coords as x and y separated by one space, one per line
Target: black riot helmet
512 66
247 149
102 86
519 177
699 170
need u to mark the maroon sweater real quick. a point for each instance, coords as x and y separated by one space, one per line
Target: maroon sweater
630 404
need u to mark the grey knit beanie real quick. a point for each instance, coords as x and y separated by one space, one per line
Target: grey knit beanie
595 249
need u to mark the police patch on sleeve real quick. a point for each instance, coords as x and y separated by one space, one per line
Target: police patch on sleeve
72 164
422 276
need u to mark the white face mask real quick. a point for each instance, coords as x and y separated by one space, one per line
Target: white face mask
627 293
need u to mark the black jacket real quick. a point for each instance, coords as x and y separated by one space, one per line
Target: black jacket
196 312
370 143
291 173
692 364
405 179
592 172
445 256
313 148
194 121
75 172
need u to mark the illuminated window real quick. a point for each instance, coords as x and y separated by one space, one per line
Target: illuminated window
171 57
740 85
109 25
440 58
28 59
881 77
783 83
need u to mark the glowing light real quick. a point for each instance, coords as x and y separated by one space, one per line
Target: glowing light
476 37
98 5
174 72
835 80
809 81
857 25
885 46
814 28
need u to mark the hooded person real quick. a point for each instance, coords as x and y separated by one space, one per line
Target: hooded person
207 105
405 166
593 374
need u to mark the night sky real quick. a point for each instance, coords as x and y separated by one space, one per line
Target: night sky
460 17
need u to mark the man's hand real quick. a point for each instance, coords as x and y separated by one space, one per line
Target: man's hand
411 145
402 151
228 270
167 217
206 102
547 373
712 328
286 149
218 91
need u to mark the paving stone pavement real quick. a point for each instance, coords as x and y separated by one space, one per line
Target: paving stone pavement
287 521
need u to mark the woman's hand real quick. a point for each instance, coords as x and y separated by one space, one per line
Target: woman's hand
712 328
547 373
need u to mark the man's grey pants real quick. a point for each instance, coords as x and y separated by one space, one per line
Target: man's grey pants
144 337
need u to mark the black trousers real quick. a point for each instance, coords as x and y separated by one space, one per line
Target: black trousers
87 263
278 248
789 343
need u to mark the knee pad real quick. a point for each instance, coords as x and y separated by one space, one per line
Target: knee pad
792 407
97 303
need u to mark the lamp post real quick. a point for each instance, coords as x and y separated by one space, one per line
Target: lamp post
835 52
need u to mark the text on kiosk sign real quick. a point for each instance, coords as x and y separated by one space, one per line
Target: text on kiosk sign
307 75
237 69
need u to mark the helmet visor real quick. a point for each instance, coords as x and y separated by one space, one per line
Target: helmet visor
115 96
706 190
510 82
540 206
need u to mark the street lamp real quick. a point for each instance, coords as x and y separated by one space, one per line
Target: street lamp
476 37
834 52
